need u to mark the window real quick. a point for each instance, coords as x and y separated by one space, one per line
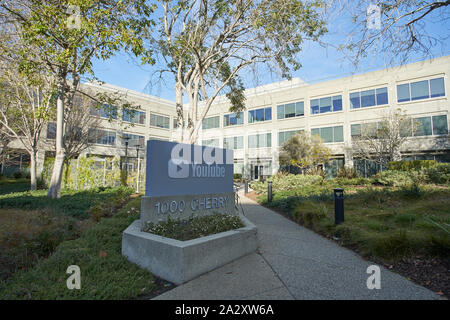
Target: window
440 125
291 110
210 142
133 140
211 123
263 140
262 114
420 90
372 129
102 137
233 119
368 98
355 130
159 121
233 143
133 116
427 126
327 104
286 135
104 111
51 130
329 134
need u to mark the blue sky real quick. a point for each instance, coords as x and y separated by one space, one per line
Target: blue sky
318 63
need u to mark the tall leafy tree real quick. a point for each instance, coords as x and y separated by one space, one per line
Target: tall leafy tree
208 44
66 35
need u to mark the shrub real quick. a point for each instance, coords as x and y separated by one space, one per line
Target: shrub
440 173
411 165
237 176
347 172
393 178
18 175
284 182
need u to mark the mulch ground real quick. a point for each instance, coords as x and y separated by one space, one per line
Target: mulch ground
431 273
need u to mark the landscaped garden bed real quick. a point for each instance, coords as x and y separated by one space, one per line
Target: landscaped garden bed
195 227
391 219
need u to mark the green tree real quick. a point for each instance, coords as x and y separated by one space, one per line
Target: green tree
65 36
208 44
304 151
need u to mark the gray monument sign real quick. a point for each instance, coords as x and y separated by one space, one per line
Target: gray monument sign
184 180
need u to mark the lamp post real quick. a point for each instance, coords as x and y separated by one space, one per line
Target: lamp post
126 138
138 168
338 206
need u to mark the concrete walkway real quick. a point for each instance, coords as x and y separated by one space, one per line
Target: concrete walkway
293 262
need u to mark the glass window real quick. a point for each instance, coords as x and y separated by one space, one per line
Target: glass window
159 121
326 134
367 98
101 137
300 109
403 92
133 140
382 96
289 110
285 136
437 88
440 125
419 90
355 130
233 119
211 123
423 126
263 140
314 106
355 100
210 142
280 112
133 116
337 103
315 132
338 134
268 114
325 105
233 142
263 114
253 141
51 130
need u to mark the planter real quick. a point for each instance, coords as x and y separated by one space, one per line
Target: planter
180 261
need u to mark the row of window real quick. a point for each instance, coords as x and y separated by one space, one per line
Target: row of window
129 115
423 126
361 99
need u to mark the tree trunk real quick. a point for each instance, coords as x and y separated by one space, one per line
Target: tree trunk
54 190
179 108
33 167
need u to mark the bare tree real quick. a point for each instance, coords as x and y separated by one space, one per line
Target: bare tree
382 141
207 44
394 29
25 107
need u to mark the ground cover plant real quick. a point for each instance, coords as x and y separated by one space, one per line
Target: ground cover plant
395 218
8 185
105 273
194 227
33 225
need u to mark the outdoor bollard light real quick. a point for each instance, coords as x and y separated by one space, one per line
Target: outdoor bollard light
269 191
246 186
338 206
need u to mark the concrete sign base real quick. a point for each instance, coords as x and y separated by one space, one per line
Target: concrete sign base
159 209
180 261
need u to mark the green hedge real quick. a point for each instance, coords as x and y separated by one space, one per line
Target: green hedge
411 165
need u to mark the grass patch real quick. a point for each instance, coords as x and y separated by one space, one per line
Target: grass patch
105 273
388 223
73 203
14 185
195 227
32 230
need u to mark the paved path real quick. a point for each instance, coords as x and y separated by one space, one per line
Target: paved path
293 262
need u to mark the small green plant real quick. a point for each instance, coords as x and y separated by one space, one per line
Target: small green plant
194 227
